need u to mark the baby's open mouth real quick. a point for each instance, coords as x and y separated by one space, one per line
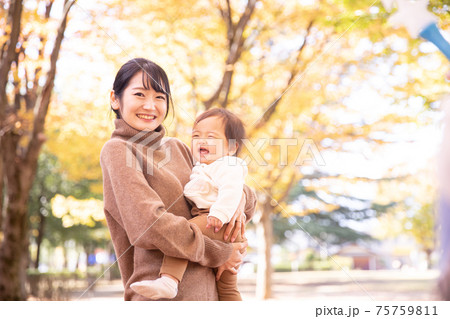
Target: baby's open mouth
204 151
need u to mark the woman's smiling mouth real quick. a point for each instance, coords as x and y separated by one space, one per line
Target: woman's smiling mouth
146 116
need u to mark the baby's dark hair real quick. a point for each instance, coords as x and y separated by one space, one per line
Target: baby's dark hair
234 128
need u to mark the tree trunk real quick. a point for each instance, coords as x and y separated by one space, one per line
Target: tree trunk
14 255
14 247
1 196
14 251
265 239
428 252
65 254
39 239
19 161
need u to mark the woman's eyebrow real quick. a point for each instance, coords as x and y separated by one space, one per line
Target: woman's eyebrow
139 88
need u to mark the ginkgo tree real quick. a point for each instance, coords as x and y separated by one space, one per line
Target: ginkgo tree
31 39
415 212
287 68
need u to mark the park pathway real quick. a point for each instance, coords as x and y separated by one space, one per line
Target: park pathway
378 285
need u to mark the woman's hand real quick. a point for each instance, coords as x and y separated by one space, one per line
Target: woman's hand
239 220
235 261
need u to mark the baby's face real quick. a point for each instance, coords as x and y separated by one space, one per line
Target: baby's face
209 142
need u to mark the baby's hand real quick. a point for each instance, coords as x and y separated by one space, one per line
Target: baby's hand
214 222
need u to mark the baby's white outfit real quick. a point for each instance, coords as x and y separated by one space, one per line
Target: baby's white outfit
218 186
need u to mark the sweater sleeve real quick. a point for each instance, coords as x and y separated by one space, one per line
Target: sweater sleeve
250 203
145 219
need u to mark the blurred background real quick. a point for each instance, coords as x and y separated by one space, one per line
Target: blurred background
344 121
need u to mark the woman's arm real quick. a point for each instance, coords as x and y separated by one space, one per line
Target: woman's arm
146 220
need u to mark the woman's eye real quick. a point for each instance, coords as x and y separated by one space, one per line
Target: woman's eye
161 97
138 94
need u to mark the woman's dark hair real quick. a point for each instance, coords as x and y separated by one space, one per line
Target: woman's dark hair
152 76
234 128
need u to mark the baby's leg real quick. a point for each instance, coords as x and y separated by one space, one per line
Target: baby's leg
227 284
172 271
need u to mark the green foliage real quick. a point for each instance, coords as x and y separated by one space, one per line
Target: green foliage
327 225
323 229
50 181
414 213
420 223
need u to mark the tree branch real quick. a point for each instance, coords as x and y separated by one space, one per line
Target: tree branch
244 89
2 50
190 78
226 15
238 36
294 72
14 19
288 188
43 100
48 8
236 39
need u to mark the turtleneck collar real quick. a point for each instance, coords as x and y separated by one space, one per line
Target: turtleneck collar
126 132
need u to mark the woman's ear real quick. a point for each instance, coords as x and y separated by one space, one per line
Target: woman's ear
114 100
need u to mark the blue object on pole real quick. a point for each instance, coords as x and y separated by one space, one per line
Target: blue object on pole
91 259
432 34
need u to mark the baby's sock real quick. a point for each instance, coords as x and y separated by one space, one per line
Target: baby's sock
163 287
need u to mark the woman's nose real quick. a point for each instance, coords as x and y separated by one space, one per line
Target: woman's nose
150 105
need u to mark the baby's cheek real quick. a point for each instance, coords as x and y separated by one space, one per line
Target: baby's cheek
196 156
212 149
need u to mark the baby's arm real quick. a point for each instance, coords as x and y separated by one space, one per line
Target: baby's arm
229 178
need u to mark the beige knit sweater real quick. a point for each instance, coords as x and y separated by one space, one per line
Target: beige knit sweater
143 179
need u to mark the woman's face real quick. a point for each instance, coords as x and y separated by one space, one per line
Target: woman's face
143 109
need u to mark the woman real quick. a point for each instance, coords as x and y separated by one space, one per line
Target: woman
143 179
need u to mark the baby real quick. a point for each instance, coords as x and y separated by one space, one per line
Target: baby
215 189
